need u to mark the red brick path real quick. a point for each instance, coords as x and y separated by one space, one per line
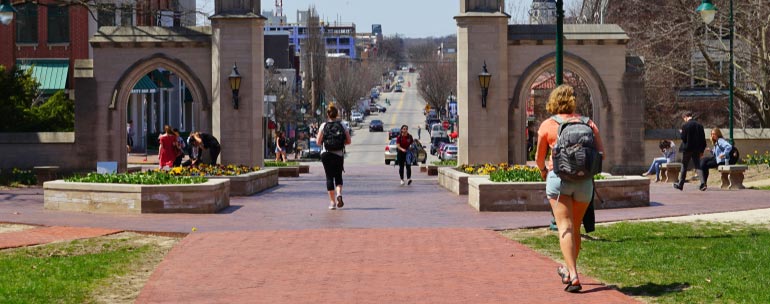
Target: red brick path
45 235
361 266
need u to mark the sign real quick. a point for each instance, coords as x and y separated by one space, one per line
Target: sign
453 108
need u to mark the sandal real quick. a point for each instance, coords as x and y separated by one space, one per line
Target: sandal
573 287
563 273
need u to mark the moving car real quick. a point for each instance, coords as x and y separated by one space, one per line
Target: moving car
431 121
449 153
394 133
381 109
312 151
436 142
391 151
357 116
398 88
376 125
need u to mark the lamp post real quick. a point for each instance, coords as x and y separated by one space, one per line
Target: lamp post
707 12
6 12
235 84
484 79
559 42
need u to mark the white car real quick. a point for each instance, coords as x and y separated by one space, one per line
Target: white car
357 116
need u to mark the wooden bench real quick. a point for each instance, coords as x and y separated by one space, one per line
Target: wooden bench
45 173
670 172
732 176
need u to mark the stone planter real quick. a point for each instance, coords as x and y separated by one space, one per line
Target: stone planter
304 169
456 181
251 183
287 171
432 170
209 197
614 192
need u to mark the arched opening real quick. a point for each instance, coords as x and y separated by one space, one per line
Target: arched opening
530 95
157 91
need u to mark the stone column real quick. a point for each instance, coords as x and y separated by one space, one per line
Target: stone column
482 36
238 39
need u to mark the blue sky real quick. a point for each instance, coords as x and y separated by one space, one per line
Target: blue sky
411 18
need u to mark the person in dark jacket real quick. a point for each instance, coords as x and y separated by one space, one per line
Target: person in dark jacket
205 141
693 145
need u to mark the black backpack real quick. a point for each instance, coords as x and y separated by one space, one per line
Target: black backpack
334 136
735 155
575 156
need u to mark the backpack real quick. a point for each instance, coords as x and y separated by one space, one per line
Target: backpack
575 156
334 136
735 155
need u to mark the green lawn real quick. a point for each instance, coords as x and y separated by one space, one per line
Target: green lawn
672 262
64 272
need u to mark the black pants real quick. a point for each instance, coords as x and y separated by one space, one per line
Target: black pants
401 161
214 153
686 157
333 165
709 163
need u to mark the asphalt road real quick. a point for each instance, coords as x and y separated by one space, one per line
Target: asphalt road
405 108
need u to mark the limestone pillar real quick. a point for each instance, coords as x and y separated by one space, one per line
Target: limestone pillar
482 35
238 38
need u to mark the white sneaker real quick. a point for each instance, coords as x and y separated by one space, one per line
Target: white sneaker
402 182
333 206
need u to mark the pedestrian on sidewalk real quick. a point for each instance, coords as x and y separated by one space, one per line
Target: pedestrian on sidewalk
404 155
280 146
332 138
569 199
169 148
693 145
419 131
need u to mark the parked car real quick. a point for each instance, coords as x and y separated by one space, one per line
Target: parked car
312 151
391 151
381 109
374 109
450 153
436 142
400 79
376 125
346 124
394 133
357 116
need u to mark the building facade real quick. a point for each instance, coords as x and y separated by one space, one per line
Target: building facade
340 38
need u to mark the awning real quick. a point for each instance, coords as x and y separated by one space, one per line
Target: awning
161 79
144 86
50 73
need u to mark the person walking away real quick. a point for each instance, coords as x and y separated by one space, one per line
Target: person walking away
169 148
569 198
668 149
720 155
404 143
129 135
332 138
419 131
280 146
693 145
205 141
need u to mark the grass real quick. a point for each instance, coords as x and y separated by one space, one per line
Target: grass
64 272
273 163
671 262
447 163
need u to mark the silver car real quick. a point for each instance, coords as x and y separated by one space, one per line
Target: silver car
391 151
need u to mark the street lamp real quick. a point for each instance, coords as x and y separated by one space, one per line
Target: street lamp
6 12
484 79
235 84
707 12
559 42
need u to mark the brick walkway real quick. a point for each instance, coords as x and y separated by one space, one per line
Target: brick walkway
361 266
37 236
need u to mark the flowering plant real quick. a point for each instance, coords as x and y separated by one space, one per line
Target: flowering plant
757 159
484 169
212 170
139 178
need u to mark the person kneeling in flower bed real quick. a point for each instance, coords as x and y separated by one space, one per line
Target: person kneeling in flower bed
212 170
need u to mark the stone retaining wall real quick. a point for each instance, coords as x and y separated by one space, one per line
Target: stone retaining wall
614 192
209 197
251 183
455 181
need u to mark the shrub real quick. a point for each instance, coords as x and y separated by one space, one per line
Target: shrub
447 163
280 164
140 178
516 174
18 177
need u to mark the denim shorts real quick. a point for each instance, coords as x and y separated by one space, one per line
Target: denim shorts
580 191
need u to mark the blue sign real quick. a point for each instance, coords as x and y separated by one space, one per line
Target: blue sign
453 108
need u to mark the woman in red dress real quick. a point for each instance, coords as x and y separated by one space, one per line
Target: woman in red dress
168 148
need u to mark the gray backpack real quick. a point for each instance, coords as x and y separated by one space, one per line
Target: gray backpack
575 156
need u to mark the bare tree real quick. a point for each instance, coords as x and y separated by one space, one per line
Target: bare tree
422 52
392 48
314 60
681 51
348 82
437 80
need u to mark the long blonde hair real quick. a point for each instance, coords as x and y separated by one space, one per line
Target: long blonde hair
561 100
719 135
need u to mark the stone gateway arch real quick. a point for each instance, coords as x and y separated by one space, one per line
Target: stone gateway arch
516 55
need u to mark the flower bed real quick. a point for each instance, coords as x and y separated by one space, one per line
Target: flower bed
212 170
138 178
244 180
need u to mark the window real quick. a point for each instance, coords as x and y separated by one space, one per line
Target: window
58 24
26 23
106 15
126 15
345 41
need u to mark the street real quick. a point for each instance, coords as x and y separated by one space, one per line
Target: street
405 108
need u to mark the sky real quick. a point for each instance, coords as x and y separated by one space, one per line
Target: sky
410 18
